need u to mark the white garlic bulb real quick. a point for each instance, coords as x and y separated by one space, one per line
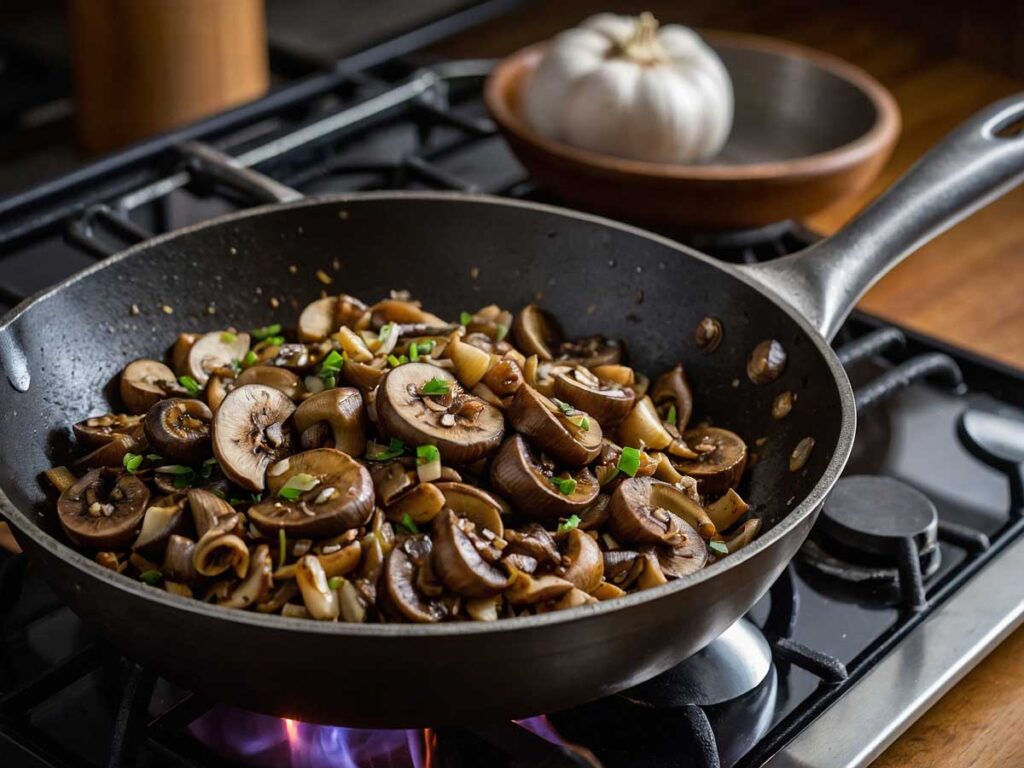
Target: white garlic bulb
621 86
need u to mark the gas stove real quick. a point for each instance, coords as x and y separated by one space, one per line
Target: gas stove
898 593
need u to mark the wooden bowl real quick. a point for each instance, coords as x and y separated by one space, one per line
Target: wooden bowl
809 129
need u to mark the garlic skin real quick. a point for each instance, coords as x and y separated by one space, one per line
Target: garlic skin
621 86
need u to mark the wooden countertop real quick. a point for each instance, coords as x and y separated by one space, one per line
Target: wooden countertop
966 287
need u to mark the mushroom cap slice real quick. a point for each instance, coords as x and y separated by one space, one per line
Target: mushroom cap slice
162 519
216 349
280 379
401 571
418 420
517 474
100 430
585 567
525 589
474 504
722 457
539 419
104 509
144 382
341 408
250 432
112 454
608 404
459 564
179 429
672 388
648 511
317 320
341 498
690 555
536 332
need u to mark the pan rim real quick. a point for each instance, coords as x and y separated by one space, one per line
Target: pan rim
841 451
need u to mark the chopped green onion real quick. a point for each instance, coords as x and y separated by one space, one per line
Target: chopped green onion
275 341
427 454
719 546
394 362
582 422
151 577
250 359
154 457
256 497
564 526
265 332
329 381
465 318
502 332
207 469
334 582
414 352
563 406
672 418
190 384
330 368
435 386
565 485
282 547
395 448
408 523
227 337
132 461
426 347
298 485
629 461
385 331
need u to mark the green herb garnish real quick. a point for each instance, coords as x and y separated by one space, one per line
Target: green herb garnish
395 448
629 461
385 331
427 454
502 332
275 341
565 485
154 457
207 468
426 347
298 485
227 337
672 418
414 352
719 546
408 523
282 547
436 386
563 406
190 384
334 582
151 577
582 422
132 461
465 318
566 525
256 497
265 332
394 362
250 359
183 476
331 367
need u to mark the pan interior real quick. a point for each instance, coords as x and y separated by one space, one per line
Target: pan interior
454 255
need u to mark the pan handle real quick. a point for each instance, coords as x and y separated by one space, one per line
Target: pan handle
975 164
226 169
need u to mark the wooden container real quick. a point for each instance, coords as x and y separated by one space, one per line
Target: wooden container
144 66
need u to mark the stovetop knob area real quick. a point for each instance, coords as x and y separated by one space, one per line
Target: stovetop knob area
997 439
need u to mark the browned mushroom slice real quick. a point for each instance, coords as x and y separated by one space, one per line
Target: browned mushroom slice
315 494
608 403
591 351
281 379
536 332
647 511
421 404
595 515
317 320
144 382
221 549
571 439
474 504
643 428
112 454
100 430
320 600
404 312
250 431
179 430
504 378
177 565
531 590
208 509
217 349
690 555
341 409
104 509
518 474
402 570
766 362
622 566
458 563
534 541
256 586
421 504
722 457
162 519
583 561
391 480
671 390
362 375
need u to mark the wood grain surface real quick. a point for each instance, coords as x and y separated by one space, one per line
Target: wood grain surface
967 287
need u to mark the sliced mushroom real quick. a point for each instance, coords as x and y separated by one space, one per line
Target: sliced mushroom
571 599
744 536
651 574
256 586
100 430
483 608
317 320
535 541
104 509
622 566
646 511
471 363
112 454
766 362
642 427
220 549
208 509
177 564
179 430
217 349
320 600
250 432
402 311
585 566
725 511
573 442
525 589
536 332
595 515
144 382
464 428
162 519
391 480
341 409
722 457
517 473
592 351
351 603
365 376
672 389
459 564
281 379
401 572
585 391
285 592
340 559
690 555
421 504
504 378
474 504
339 496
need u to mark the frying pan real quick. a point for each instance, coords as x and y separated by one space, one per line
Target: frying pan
62 350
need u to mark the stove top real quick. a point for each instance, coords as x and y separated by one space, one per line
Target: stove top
899 591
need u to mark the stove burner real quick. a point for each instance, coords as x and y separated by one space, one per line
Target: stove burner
732 665
997 439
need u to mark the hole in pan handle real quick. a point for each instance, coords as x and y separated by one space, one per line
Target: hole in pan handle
975 164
